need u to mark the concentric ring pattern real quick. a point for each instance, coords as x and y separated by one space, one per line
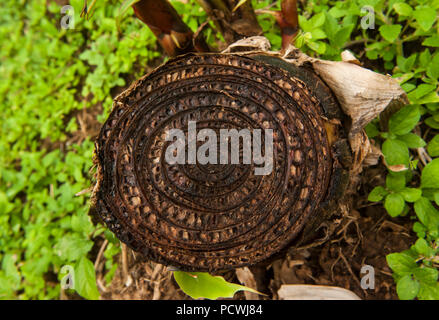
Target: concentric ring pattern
213 216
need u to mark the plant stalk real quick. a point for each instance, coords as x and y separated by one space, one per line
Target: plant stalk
288 22
232 21
172 33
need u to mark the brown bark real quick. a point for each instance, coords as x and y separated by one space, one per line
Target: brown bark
172 33
213 215
233 24
288 22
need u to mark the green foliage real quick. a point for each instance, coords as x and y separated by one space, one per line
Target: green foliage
407 45
267 21
85 279
203 285
415 279
48 75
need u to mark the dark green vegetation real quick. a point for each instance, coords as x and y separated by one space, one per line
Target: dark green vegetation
51 77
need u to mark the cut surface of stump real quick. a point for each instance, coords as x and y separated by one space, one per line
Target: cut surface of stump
208 217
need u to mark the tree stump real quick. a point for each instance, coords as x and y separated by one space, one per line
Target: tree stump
210 217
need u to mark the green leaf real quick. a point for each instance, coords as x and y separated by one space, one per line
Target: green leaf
423 89
299 41
427 213
402 63
419 228
394 204
389 55
371 130
85 280
425 58
122 10
432 123
395 181
318 34
433 146
430 175
203 285
429 291
317 46
407 86
411 194
412 140
388 65
11 271
403 9
432 41
126 5
410 61
305 24
436 197
431 97
337 12
404 120
433 67
425 17
395 152
73 247
342 35
371 54
401 263
390 32
422 247
377 194
331 25
318 20
81 223
407 288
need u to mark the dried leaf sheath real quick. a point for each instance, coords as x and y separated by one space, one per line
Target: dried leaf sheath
233 21
288 21
212 217
172 33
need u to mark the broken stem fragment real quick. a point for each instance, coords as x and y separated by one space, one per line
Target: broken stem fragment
234 19
287 20
172 33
